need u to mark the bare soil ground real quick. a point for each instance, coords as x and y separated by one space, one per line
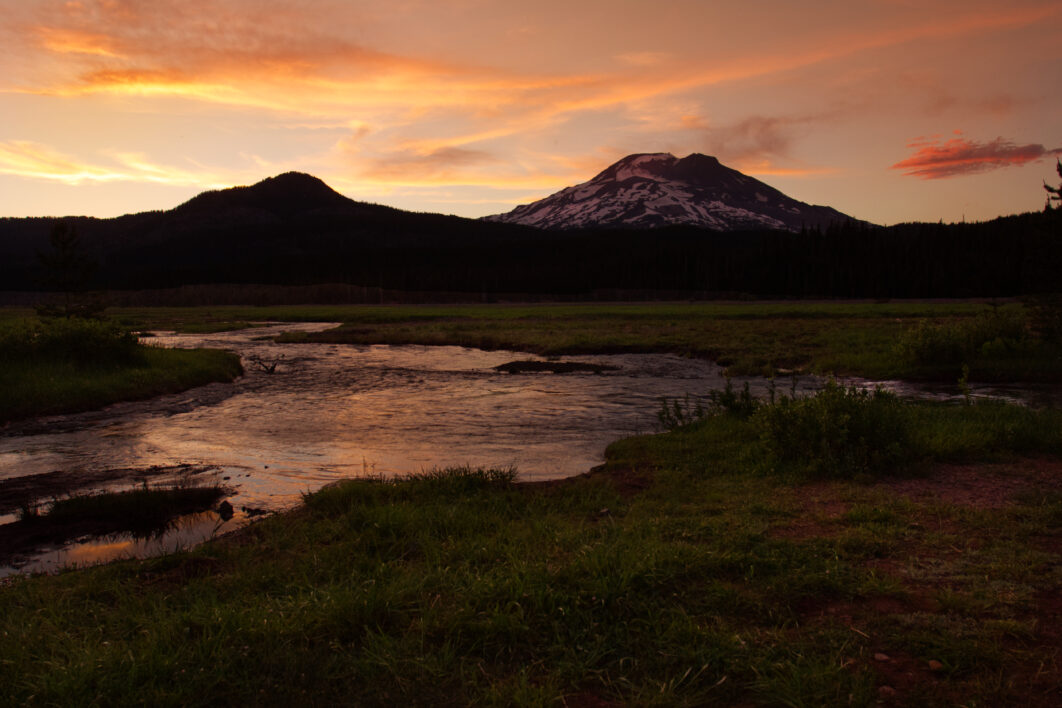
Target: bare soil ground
943 574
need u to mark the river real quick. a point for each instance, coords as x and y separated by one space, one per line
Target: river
329 412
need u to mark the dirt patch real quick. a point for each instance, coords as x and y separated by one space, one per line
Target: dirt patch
981 486
899 674
627 481
803 529
189 568
819 509
984 486
1031 664
19 492
855 613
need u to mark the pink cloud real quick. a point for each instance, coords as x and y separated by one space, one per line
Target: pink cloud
936 158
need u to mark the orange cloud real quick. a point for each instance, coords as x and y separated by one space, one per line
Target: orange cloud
277 57
436 119
66 41
958 156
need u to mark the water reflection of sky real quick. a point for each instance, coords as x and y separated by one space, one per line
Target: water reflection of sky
186 532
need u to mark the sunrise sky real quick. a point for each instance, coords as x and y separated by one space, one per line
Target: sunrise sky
889 110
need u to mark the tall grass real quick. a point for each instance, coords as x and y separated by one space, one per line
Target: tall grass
69 364
993 333
984 430
82 342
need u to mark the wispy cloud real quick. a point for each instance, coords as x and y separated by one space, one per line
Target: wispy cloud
36 161
65 41
762 145
444 164
280 56
643 58
755 137
937 158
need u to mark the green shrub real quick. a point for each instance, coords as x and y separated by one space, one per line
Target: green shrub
930 343
992 334
837 433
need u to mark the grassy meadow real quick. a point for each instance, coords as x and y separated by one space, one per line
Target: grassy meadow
697 567
844 549
890 340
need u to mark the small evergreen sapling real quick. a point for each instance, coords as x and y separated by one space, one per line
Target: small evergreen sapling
1054 194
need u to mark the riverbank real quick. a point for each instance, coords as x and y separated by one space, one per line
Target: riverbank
70 365
906 340
680 572
863 339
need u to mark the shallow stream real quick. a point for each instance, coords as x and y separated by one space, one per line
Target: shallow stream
334 411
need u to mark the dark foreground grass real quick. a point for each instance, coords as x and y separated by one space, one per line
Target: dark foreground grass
680 574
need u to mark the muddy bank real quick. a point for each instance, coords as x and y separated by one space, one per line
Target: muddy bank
142 513
20 492
530 366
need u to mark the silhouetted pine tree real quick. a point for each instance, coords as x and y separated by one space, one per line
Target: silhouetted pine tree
68 269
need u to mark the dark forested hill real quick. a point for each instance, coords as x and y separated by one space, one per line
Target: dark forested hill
294 230
291 228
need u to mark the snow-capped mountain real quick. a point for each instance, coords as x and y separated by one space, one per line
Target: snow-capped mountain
659 189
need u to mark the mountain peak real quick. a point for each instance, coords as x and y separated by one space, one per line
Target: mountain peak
648 190
285 194
648 165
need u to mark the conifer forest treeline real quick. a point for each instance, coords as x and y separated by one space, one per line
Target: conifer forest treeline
396 251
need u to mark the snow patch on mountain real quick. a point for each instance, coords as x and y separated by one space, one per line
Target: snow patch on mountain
659 189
